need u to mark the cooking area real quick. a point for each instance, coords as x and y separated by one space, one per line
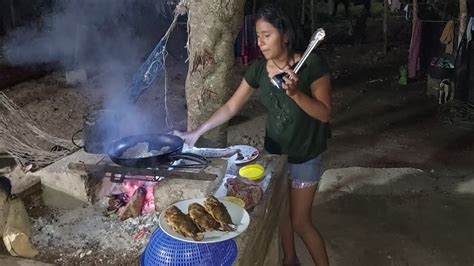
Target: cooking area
128 199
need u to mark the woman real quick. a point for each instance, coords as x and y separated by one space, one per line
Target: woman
296 122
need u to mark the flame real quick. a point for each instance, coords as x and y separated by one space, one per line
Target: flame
129 186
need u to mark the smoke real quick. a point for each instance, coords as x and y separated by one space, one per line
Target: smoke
110 35
108 39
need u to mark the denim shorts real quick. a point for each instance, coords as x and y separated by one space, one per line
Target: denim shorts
306 174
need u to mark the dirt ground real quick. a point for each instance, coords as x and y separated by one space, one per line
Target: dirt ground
430 229
376 123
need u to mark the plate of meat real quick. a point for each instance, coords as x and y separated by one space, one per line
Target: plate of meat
250 192
204 220
246 153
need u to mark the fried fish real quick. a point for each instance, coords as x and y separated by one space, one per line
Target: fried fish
201 218
182 223
219 212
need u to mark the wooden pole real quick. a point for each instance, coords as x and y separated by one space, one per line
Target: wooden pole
330 6
385 27
462 19
415 14
302 13
12 13
313 16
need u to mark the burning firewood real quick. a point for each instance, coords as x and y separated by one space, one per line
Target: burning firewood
135 205
116 202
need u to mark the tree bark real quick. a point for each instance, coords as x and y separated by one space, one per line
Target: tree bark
12 13
462 19
212 27
313 16
385 27
303 12
415 15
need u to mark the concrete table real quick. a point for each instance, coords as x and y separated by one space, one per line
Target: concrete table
259 244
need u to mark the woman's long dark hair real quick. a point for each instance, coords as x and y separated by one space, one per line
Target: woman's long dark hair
275 16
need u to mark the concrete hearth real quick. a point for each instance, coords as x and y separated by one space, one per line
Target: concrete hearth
64 187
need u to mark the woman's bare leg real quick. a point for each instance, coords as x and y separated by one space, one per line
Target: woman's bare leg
287 236
301 203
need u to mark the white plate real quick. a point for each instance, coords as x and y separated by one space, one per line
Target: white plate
239 215
248 152
213 152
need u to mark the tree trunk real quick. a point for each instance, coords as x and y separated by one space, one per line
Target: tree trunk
313 15
462 20
212 29
415 15
12 13
385 27
303 12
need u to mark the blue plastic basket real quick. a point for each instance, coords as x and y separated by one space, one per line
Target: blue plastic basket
165 250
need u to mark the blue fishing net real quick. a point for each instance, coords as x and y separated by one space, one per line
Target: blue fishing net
148 71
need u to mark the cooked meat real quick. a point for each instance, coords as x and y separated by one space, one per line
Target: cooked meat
250 193
219 212
182 223
202 218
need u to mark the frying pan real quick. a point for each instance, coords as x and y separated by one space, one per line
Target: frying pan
169 149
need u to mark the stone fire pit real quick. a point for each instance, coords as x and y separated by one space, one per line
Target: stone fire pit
69 226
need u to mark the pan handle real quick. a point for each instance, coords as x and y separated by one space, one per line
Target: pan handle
190 156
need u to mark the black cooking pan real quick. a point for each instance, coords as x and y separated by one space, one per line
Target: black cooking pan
167 148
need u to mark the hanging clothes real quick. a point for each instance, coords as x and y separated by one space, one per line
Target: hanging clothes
395 5
414 52
407 12
447 37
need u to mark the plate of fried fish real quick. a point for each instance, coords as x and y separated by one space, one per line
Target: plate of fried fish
204 220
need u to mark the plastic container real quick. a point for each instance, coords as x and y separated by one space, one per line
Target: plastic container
252 172
165 250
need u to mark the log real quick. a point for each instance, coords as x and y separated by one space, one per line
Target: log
17 233
12 261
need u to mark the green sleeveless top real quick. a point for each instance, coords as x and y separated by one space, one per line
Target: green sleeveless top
289 129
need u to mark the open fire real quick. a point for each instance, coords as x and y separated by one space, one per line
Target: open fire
130 198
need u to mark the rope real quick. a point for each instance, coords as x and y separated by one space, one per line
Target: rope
148 71
459 114
25 142
155 62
